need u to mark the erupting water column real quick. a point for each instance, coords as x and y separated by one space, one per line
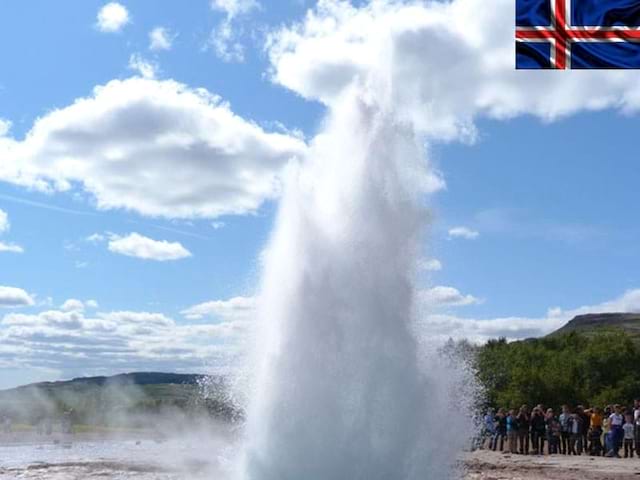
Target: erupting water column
340 393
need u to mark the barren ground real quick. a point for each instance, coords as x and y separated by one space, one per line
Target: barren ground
149 459
486 465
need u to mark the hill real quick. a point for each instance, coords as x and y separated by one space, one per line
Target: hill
131 398
135 378
595 322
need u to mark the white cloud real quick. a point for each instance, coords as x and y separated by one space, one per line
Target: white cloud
4 227
443 296
11 248
139 246
233 8
63 320
463 232
145 68
4 221
438 326
72 305
431 265
160 38
112 17
217 225
75 343
96 238
138 318
14 297
225 37
5 126
234 308
440 64
223 40
154 147
629 302
442 326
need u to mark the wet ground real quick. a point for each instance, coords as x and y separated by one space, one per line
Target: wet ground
86 457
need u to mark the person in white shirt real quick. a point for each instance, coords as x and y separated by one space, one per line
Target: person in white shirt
616 420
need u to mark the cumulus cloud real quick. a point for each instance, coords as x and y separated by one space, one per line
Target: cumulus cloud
440 64
74 343
154 147
463 232
438 325
234 308
443 296
14 297
139 246
629 302
112 17
72 305
160 38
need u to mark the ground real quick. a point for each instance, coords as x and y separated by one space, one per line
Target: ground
486 465
141 455
84 457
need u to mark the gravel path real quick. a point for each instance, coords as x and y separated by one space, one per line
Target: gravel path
484 465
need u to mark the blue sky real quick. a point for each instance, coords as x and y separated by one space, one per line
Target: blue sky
41 75
539 209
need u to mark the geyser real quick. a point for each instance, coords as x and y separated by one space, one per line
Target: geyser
340 389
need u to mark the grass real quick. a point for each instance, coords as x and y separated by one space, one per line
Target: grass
101 429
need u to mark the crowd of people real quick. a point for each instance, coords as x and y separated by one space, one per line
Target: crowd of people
613 431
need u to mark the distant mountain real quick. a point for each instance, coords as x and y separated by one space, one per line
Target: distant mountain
592 323
135 378
97 400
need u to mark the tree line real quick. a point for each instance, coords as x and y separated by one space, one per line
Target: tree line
597 368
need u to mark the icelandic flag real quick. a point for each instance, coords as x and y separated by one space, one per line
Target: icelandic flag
578 34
